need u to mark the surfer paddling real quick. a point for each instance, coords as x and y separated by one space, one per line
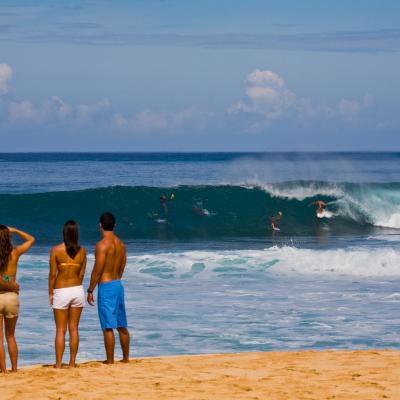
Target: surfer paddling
321 206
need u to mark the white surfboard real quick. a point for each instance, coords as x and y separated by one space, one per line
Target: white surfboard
321 214
325 214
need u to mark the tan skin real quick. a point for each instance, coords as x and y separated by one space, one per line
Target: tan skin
12 286
110 261
321 205
63 276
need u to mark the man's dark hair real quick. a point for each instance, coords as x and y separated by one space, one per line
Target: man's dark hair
107 221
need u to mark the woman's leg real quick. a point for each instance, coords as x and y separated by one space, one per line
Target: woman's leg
10 324
73 324
61 318
2 352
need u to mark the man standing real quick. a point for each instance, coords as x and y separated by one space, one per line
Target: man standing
110 260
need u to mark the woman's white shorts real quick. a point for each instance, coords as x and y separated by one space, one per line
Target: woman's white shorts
65 298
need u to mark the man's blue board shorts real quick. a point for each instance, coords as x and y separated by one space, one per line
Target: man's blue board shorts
111 305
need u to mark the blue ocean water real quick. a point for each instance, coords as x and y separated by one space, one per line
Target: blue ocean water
205 273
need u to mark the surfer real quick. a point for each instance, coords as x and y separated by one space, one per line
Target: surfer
274 219
163 201
321 205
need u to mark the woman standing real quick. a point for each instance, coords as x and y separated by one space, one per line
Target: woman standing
67 269
9 298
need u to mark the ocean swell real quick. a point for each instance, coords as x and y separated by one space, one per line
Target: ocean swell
209 212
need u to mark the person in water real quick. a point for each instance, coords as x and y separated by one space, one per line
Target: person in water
110 260
321 205
9 289
274 220
163 201
66 294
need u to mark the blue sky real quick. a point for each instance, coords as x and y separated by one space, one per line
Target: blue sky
180 75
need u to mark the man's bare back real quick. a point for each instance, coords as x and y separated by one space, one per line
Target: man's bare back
113 251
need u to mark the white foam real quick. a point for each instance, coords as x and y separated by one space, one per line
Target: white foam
363 262
285 260
302 191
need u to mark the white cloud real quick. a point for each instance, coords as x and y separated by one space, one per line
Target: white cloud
23 110
57 107
5 75
267 94
351 108
148 120
269 78
86 112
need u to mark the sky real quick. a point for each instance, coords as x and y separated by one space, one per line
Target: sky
199 75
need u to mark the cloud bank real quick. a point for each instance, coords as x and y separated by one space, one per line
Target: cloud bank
267 102
268 96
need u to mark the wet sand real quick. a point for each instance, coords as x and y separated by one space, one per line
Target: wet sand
310 375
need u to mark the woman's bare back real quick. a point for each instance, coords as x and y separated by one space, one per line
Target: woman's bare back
70 271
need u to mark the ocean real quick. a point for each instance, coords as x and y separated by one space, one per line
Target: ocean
205 273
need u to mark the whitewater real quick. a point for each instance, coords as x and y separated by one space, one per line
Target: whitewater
211 276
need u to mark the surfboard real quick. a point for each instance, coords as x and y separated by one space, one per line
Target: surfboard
276 229
321 214
161 221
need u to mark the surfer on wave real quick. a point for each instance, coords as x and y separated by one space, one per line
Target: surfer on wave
321 206
163 201
274 219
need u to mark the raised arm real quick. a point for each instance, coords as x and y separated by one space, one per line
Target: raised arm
29 240
52 274
100 260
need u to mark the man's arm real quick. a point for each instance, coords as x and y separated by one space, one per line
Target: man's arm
123 263
100 260
52 274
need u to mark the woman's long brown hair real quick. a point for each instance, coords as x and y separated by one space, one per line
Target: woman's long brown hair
71 238
6 247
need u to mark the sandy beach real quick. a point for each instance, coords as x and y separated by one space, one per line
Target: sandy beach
276 375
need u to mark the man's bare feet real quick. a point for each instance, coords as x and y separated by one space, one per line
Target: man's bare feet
108 362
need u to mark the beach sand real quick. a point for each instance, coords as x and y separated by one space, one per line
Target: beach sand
274 375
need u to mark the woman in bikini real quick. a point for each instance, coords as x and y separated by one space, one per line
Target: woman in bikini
67 297
9 298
